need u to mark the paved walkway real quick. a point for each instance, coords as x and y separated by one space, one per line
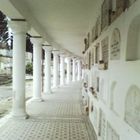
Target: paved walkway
6 96
59 117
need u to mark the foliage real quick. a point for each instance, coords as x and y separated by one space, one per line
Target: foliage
29 68
4 35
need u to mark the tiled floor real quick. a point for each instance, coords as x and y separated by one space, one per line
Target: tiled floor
59 117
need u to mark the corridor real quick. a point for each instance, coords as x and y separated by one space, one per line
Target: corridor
59 117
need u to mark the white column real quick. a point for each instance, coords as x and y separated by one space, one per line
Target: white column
62 70
19 29
68 60
74 70
55 69
37 68
47 83
79 70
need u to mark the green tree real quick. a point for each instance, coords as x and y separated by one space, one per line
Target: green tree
4 35
29 68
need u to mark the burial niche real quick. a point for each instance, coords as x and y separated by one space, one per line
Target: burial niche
132 108
133 40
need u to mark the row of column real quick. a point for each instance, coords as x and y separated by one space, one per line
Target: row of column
37 69
19 29
71 70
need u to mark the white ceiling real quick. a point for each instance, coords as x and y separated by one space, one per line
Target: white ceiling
63 22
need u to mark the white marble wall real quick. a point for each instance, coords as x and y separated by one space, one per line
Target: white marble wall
119 89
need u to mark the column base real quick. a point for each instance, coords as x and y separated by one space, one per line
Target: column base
68 83
19 116
55 87
37 100
62 85
48 92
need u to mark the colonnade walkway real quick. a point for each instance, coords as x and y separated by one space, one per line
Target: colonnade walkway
59 117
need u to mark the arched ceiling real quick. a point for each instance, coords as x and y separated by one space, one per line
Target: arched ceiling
63 23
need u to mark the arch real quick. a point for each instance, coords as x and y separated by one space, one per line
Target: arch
113 86
132 107
133 40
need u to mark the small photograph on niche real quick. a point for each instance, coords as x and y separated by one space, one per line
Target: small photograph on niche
92 108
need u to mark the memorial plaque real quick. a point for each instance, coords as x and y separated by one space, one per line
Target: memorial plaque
97 54
131 2
103 125
121 5
90 60
98 83
92 56
118 6
86 58
106 6
88 39
93 34
104 44
96 30
115 45
87 61
86 43
100 116
99 25
113 12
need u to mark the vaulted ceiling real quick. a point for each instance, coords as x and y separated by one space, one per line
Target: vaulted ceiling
63 23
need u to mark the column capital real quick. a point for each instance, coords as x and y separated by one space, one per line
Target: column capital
18 26
36 40
68 59
78 60
56 52
62 55
74 58
47 48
